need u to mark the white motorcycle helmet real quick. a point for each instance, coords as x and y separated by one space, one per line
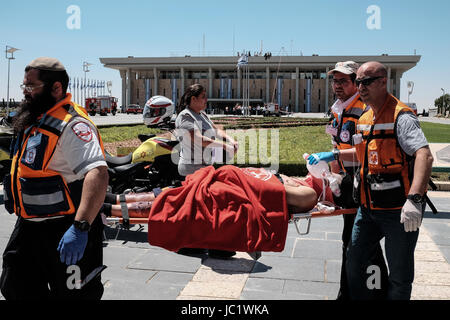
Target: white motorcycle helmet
158 110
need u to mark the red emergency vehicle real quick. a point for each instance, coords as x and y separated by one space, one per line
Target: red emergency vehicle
102 105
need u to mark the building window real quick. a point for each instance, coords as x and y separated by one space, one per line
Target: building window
290 94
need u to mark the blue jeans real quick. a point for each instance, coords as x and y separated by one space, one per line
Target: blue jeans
369 228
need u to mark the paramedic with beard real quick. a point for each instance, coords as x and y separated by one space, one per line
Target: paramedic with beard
56 187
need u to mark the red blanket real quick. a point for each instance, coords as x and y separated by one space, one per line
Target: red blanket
228 209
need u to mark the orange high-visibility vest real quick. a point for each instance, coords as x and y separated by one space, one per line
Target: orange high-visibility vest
385 170
346 128
36 190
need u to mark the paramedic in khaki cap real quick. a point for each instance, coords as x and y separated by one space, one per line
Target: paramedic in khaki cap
345 113
57 184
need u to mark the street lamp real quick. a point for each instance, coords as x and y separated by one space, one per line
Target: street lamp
9 52
85 69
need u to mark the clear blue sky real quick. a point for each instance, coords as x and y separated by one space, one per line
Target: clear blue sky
165 28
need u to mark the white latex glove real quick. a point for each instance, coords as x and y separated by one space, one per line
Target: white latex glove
411 215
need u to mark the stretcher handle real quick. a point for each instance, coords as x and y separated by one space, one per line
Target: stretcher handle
296 217
318 214
131 220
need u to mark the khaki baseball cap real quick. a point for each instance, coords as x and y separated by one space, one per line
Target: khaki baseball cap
347 67
47 63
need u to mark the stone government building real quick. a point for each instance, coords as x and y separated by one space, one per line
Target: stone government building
299 82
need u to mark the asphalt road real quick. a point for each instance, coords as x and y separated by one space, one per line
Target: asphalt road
118 119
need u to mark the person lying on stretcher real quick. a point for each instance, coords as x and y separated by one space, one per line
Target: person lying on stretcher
229 208
302 194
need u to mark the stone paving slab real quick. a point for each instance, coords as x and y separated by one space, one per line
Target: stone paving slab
432 271
219 279
267 285
215 289
205 274
326 249
328 290
273 267
120 256
427 292
288 248
143 285
132 287
446 253
165 261
333 271
262 295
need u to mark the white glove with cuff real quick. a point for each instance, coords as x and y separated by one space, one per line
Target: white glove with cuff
411 215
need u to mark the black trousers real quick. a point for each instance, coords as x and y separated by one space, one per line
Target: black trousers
377 259
32 269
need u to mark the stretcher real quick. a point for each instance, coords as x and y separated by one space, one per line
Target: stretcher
321 210
225 209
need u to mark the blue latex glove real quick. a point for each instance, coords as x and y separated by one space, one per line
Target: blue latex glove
72 245
323 156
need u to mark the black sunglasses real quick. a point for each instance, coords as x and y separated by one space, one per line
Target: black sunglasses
367 81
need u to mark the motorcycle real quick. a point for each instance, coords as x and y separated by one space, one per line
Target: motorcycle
150 166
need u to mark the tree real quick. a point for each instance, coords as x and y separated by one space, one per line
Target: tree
443 104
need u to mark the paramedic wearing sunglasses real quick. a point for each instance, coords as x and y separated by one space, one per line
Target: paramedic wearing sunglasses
345 113
395 169
57 182
201 142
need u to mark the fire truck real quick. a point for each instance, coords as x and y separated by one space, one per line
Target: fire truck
271 109
102 105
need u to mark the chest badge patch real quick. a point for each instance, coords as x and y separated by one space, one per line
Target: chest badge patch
345 136
30 155
373 157
82 131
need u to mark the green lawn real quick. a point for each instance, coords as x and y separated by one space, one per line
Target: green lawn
436 132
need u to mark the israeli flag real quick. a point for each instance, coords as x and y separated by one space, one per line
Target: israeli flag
243 60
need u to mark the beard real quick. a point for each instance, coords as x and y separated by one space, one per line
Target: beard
31 108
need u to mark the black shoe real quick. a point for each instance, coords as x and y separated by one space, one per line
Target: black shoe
189 251
220 254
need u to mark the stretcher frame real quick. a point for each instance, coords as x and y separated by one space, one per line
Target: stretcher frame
295 218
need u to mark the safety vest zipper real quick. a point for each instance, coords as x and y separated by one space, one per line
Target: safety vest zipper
366 170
